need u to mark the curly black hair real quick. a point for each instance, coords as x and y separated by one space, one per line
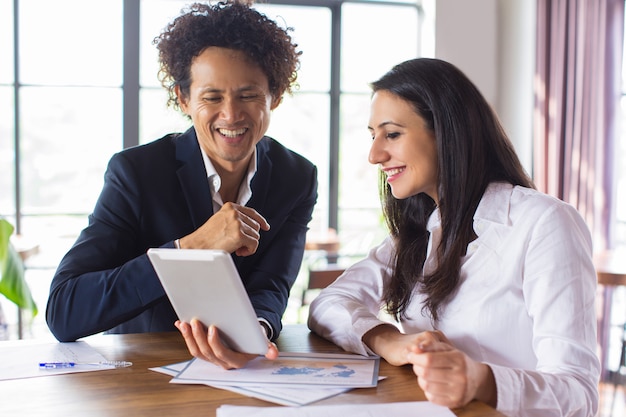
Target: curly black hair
229 24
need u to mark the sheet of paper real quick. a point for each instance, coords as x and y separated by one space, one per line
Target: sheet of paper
171 370
288 396
417 409
294 397
20 359
319 370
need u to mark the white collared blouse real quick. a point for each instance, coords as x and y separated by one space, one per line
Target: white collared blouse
525 304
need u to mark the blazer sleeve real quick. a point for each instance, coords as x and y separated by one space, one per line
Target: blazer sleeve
106 278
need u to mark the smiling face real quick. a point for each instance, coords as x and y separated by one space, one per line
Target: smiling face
230 104
403 147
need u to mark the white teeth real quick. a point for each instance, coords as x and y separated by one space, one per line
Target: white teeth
231 133
394 171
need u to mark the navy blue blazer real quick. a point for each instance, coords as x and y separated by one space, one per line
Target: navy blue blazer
159 192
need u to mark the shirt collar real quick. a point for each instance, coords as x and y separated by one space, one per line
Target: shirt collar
215 182
493 207
495 204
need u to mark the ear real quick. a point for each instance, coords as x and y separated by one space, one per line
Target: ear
275 102
183 100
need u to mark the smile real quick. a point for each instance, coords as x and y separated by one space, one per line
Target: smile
232 133
393 171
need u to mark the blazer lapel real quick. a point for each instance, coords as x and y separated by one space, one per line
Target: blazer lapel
193 179
260 184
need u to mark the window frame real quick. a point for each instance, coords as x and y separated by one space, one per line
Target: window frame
131 89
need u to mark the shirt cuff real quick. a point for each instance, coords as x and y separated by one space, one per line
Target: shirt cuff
269 332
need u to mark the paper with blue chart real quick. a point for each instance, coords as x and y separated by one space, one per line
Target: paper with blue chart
311 369
300 367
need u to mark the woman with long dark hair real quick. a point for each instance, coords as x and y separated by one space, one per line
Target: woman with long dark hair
488 284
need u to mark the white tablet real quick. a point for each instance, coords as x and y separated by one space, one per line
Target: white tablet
205 284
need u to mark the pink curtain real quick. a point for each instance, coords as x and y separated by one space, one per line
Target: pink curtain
577 90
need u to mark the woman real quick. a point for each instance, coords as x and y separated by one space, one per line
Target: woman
490 283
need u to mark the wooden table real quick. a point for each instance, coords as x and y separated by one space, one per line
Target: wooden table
137 391
611 271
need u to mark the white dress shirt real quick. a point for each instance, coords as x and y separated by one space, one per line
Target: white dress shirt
525 304
215 182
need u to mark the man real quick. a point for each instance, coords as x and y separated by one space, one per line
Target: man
220 185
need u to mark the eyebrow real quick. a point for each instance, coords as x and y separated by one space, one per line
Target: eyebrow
251 87
386 123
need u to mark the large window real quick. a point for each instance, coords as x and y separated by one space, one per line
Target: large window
77 87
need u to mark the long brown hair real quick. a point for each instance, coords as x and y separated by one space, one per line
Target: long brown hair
473 151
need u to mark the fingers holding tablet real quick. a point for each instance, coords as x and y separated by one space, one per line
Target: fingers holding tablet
206 344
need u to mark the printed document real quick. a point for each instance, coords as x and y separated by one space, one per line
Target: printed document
21 359
299 367
322 370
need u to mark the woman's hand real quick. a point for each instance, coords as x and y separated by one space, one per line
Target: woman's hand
393 346
205 344
448 376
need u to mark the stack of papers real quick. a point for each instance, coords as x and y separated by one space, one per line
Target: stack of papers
281 381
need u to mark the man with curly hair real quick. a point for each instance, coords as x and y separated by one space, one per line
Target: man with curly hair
222 184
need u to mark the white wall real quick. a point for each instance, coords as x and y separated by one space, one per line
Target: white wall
493 42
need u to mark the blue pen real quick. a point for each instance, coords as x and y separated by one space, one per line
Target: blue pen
61 365
56 365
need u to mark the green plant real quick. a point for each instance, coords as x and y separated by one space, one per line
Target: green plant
12 282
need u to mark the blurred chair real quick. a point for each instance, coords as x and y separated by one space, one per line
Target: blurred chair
322 277
322 256
326 244
318 279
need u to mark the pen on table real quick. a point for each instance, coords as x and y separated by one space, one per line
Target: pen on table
61 365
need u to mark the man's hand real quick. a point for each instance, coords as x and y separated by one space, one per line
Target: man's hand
234 228
205 344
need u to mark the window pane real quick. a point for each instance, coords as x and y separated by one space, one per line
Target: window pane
360 219
155 15
58 47
6 41
367 52
155 118
301 123
311 31
7 154
65 145
373 39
